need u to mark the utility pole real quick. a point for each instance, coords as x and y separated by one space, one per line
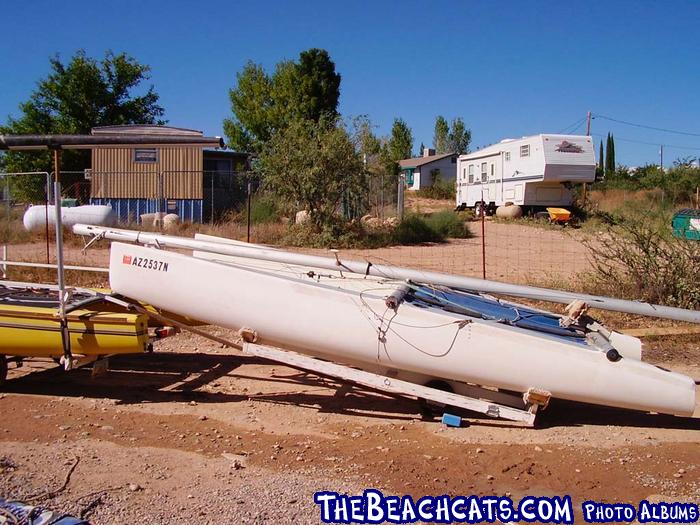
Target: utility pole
588 124
661 155
588 133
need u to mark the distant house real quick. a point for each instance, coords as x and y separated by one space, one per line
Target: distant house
197 184
422 172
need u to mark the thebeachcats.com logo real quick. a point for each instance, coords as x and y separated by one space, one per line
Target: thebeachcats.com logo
374 507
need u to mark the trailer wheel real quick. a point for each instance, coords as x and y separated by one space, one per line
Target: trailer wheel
3 370
429 409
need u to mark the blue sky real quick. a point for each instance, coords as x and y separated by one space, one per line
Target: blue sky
507 68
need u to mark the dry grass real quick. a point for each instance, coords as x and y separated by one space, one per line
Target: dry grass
417 204
48 276
613 200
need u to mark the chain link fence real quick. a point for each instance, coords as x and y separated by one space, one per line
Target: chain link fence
523 251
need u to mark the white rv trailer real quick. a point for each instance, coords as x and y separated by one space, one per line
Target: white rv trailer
535 171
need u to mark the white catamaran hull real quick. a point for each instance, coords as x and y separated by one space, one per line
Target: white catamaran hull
346 320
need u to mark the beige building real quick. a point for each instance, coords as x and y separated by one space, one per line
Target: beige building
197 184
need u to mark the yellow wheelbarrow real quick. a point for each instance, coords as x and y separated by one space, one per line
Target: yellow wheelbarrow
555 216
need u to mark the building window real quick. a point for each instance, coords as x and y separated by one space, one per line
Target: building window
146 155
493 171
483 172
471 174
525 150
507 156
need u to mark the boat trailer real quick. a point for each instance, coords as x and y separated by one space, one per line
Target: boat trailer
506 408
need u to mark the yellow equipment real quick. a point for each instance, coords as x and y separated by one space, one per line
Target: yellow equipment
29 331
559 215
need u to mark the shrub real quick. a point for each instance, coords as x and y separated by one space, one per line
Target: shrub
638 258
414 229
449 224
263 209
341 235
439 189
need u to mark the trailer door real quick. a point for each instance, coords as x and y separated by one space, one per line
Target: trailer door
494 175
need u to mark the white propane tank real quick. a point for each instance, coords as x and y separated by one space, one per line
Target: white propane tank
35 216
171 220
509 211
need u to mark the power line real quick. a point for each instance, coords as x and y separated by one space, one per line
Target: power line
665 130
572 127
649 143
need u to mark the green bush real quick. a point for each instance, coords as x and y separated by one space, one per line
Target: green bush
638 258
439 189
264 209
414 229
449 224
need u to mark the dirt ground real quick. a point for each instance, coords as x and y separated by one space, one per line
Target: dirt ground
195 433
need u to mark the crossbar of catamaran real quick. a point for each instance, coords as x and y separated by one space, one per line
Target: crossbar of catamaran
417 327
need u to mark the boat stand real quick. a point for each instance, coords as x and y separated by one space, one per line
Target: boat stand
533 399
391 385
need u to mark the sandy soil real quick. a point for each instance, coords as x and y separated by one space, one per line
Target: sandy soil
194 433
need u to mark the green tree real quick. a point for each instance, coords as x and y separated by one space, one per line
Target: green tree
251 102
318 90
74 98
400 144
441 135
261 105
314 165
599 169
421 150
612 155
609 156
459 137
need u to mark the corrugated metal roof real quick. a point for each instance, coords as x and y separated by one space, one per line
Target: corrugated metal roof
145 129
420 161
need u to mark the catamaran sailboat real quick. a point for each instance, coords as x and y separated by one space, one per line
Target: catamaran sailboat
412 325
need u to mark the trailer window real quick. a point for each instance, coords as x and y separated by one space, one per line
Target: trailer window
471 174
483 172
493 171
506 156
525 150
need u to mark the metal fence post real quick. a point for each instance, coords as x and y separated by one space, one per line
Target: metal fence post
399 198
8 210
159 209
483 240
211 176
249 198
49 182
